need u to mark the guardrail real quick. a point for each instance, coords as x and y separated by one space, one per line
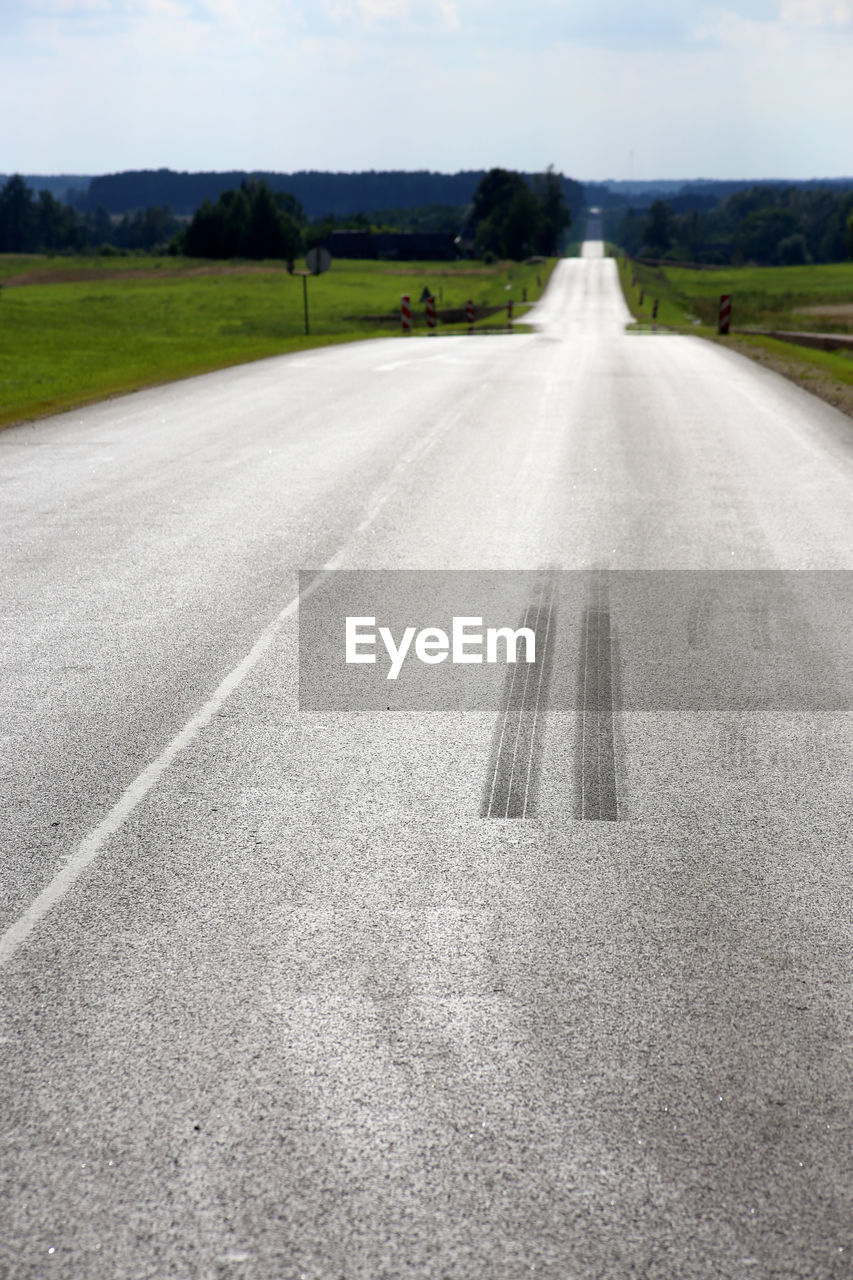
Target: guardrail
820 341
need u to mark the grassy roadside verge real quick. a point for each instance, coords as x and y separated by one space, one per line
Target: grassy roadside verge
809 298
76 330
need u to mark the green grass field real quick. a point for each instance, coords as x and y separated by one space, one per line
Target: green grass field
816 298
771 297
79 329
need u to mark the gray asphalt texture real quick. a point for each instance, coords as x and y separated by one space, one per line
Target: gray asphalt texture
306 1015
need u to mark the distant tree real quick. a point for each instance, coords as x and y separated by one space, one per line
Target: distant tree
30 224
850 235
658 230
205 235
506 216
249 222
521 228
216 231
554 216
146 229
629 232
100 226
831 238
317 232
17 217
760 233
792 251
430 217
690 232
494 192
487 241
235 206
740 204
268 232
765 224
50 222
288 204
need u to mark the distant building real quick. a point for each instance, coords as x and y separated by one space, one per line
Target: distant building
405 246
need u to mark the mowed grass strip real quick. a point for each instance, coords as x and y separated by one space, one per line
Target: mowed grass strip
817 299
78 330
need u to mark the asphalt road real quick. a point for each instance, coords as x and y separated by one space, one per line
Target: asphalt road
278 1003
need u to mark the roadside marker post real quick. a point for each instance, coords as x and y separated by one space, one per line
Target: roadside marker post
725 313
430 313
469 312
406 312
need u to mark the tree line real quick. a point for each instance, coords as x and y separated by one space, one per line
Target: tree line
39 223
250 222
765 224
320 194
512 217
508 217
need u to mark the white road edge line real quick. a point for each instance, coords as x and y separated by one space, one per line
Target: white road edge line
90 846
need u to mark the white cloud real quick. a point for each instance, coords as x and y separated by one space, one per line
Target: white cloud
734 31
817 13
67 7
405 13
790 23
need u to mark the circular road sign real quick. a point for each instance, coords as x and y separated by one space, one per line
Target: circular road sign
317 261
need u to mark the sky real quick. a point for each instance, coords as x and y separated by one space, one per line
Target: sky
616 89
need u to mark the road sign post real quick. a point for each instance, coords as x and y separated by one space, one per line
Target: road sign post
430 313
316 261
406 312
469 313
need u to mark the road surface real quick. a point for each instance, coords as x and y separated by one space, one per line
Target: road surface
277 1001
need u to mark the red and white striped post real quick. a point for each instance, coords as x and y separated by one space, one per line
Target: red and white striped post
725 313
406 312
430 313
509 313
469 312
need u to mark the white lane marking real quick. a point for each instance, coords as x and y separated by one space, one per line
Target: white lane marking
89 848
91 845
